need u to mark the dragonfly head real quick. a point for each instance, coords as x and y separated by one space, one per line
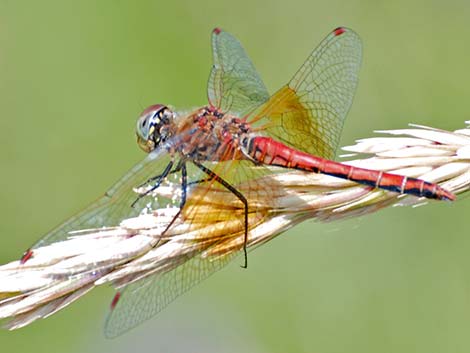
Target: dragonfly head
154 126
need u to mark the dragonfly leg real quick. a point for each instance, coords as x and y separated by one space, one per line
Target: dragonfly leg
181 166
184 186
200 181
158 178
224 183
161 176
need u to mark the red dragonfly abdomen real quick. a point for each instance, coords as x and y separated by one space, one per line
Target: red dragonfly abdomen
265 150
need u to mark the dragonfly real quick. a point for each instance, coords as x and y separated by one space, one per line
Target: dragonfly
241 134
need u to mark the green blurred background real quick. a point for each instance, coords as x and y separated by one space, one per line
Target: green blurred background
74 75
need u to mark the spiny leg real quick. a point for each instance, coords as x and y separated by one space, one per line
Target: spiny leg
214 176
158 178
200 181
181 166
177 169
184 188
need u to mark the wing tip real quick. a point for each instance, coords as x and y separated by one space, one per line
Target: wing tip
110 330
339 30
26 256
217 30
115 300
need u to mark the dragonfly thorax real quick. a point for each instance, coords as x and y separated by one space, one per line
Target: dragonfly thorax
154 126
209 134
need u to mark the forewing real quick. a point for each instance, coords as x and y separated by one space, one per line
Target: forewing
116 204
234 85
308 113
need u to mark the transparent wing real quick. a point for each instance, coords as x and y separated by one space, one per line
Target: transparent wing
308 113
234 85
145 298
116 204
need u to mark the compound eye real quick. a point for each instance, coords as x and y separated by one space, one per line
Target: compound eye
153 110
143 125
148 119
144 122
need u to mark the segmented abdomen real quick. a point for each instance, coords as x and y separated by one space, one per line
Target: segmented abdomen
265 150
